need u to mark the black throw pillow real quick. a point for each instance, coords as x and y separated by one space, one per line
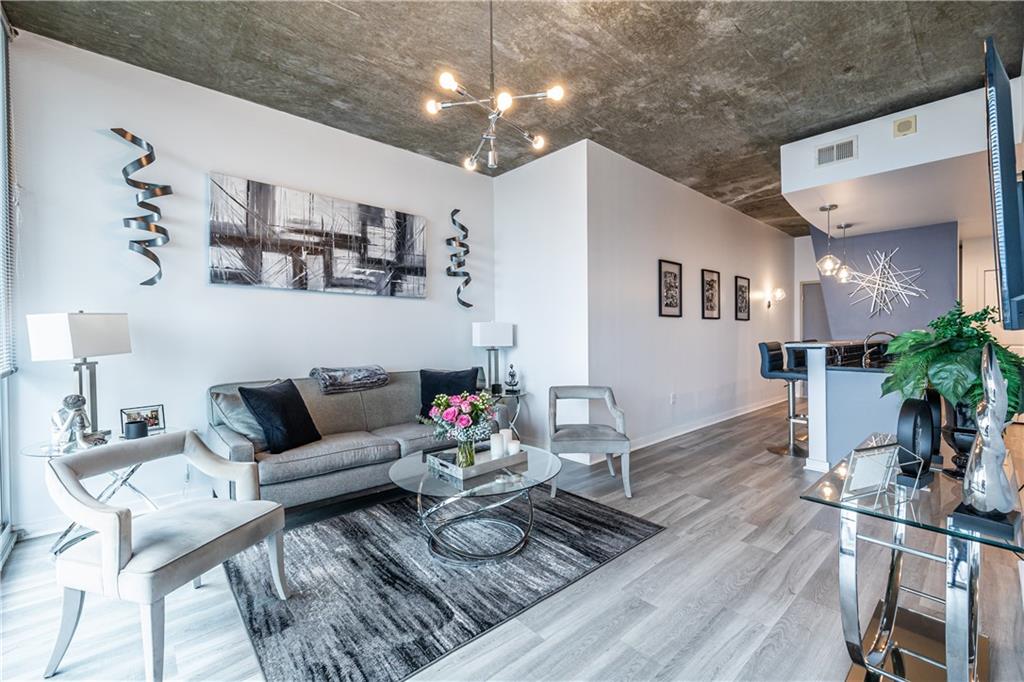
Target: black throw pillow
282 414
434 381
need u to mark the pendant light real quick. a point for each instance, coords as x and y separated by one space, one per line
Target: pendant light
828 264
844 273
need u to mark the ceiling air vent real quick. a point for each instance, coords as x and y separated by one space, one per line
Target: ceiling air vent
844 150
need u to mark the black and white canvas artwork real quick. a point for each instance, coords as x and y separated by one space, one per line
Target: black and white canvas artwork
710 295
742 298
670 288
269 236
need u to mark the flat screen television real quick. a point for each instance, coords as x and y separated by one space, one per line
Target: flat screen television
1007 194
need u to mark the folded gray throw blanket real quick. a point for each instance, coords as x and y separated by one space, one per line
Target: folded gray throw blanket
347 379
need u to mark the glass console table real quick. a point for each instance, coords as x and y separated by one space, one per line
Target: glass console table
902 644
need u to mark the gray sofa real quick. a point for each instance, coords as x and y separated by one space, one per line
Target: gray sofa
363 432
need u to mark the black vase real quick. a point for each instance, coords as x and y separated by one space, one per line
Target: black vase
958 430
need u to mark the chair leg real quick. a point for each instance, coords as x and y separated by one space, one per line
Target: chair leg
554 487
625 474
611 464
152 616
275 551
197 582
71 611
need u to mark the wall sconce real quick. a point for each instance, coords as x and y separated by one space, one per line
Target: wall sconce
777 294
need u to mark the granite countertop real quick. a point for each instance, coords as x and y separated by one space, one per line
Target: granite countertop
840 368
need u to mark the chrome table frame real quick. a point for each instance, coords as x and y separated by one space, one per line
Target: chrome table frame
445 550
119 479
518 398
966 654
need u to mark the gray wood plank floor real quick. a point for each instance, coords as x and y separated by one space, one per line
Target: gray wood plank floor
741 586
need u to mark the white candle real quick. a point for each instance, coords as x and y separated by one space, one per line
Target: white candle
507 435
513 447
497 445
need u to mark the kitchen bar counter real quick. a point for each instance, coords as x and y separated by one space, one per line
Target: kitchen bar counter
843 402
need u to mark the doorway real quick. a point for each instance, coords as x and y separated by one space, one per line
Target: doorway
813 315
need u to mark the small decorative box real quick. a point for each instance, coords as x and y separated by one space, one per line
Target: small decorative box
486 462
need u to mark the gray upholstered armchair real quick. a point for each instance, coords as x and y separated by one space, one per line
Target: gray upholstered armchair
144 558
590 438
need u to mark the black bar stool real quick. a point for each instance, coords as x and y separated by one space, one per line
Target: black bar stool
773 367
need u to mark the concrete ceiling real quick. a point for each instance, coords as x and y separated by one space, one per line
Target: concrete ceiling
702 92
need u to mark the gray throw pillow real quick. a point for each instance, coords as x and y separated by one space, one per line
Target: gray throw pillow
233 412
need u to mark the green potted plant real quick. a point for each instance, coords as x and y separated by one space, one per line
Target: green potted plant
946 359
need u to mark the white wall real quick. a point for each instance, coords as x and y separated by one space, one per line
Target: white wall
805 269
635 217
188 334
540 222
978 286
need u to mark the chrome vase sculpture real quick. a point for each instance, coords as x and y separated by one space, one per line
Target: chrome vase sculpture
988 489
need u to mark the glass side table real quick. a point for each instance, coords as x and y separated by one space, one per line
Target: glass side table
118 480
884 651
517 398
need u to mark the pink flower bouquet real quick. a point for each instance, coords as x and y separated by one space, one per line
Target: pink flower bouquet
464 418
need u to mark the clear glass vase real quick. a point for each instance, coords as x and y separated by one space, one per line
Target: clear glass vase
465 454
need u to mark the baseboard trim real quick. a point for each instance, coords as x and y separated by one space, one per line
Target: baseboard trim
668 434
674 432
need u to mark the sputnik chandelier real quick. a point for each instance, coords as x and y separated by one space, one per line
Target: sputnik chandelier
496 105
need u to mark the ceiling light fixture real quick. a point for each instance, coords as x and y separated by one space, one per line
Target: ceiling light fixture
496 104
828 264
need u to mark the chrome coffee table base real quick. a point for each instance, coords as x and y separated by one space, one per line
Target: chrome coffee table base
897 635
457 552
927 635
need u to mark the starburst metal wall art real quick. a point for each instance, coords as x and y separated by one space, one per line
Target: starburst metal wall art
885 284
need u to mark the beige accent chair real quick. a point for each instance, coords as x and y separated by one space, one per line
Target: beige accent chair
598 439
144 558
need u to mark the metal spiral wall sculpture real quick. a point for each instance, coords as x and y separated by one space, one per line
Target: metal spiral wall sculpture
458 259
147 222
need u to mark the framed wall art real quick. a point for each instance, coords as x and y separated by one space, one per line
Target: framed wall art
742 298
710 294
670 288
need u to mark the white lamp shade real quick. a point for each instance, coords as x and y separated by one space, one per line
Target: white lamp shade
492 334
68 336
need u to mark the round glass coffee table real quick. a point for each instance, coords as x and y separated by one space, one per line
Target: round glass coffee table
492 491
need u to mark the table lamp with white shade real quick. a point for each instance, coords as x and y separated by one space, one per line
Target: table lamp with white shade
79 336
492 336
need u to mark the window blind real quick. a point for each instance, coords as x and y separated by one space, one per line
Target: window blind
8 213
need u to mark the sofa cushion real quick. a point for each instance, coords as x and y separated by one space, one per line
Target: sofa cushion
396 403
337 413
232 412
434 382
282 415
333 452
411 437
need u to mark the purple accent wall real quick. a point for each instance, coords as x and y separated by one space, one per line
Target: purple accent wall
932 247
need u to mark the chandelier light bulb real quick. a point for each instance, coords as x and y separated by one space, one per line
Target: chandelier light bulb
504 100
448 82
844 274
470 163
828 264
433 107
538 142
556 93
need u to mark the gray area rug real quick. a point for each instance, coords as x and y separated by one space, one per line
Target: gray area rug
370 602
